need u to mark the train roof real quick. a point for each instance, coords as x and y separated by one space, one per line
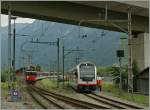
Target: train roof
85 62
30 71
43 72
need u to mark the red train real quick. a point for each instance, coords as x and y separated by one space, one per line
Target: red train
30 76
42 73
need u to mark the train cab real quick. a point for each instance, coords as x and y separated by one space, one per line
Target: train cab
30 76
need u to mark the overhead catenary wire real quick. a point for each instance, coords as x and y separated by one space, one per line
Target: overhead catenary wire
66 32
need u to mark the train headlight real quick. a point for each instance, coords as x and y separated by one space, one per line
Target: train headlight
27 77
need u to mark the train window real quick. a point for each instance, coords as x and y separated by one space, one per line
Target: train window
87 78
87 64
82 65
76 74
87 70
90 65
31 73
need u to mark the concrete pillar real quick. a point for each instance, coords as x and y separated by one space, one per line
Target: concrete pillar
140 47
146 49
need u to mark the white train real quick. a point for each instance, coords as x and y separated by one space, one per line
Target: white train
85 76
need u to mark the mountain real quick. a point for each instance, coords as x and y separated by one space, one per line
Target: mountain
99 45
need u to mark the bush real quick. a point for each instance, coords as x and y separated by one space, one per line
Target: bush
104 71
38 68
116 74
4 76
108 87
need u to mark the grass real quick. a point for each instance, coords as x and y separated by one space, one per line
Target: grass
52 86
110 89
4 85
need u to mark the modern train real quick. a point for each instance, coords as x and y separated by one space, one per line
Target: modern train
85 77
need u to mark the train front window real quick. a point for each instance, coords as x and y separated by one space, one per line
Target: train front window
31 73
87 70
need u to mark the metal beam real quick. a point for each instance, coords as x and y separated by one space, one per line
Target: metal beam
72 13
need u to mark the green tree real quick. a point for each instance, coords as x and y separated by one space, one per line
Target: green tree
4 76
104 71
115 71
38 67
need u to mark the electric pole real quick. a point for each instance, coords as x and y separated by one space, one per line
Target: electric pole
120 73
57 61
63 63
9 46
52 43
129 32
14 48
130 72
64 56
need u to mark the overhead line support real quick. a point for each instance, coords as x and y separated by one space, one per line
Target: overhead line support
128 32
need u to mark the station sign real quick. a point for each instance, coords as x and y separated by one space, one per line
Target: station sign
15 96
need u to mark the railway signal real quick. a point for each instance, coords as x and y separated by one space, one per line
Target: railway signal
120 54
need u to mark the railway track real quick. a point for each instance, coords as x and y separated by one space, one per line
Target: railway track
112 102
68 100
54 99
36 96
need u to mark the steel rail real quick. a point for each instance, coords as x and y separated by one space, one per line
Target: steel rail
80 103
109 101
119 102
30 90
50 100
105 101
31 94
72 102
